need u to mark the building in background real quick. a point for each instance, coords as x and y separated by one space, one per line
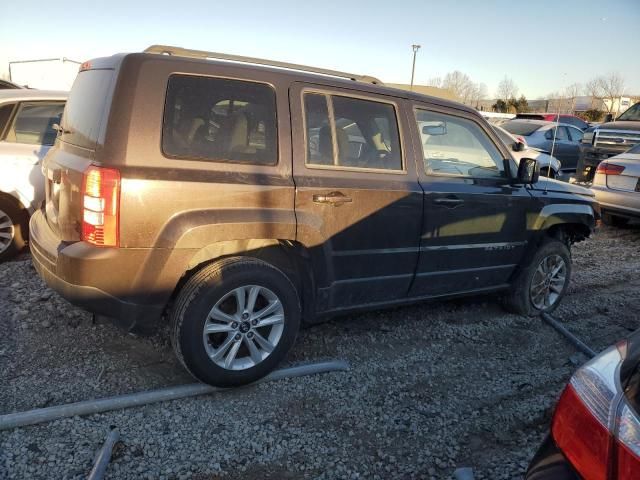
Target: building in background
45 74
425 90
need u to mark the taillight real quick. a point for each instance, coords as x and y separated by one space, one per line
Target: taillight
609 168
593 425
100 204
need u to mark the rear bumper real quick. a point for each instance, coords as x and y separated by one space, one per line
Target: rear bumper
550 464
617 201
101 280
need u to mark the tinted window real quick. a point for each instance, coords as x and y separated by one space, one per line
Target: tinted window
632 114
576 134
34 122
560 133
221 120
319 140
457 146
364 133
521 128
575 121
86 107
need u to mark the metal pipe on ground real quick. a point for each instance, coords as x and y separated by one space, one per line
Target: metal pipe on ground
104 456
88 407
579 344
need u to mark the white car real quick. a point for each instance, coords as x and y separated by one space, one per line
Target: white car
617 187
520 149
26 134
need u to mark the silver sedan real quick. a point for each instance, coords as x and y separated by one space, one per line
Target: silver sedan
617 187
549 166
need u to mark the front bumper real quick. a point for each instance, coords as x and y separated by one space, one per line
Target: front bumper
100 280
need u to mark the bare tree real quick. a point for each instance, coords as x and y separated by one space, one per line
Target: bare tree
479 93
507 89
435 82
593 88
459 84
612 89
571 93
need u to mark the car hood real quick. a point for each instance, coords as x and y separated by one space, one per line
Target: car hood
551 185
623 125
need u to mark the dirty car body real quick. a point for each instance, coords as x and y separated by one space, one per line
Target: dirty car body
312 194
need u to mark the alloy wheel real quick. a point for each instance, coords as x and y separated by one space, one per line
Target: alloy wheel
6 231
243 327
548 282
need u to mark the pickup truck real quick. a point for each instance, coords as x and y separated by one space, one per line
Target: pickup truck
606 140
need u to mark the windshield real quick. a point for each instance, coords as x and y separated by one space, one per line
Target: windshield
635 149
632 114
85 108
521 128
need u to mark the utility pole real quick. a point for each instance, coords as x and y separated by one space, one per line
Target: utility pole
413 68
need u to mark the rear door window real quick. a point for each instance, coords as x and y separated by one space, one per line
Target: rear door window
220 120
351 132
560 133
5 116
33 124
576 134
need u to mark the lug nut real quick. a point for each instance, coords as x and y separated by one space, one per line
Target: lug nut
238 337
250 335
254 322
245 315
234 324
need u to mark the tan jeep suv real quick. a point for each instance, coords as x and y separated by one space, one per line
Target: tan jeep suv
240 199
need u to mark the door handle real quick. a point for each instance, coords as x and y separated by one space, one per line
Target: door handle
334 199
449 201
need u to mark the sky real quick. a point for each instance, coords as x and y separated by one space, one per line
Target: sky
544 46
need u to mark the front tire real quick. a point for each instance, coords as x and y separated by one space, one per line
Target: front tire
14 227
540 287
234 321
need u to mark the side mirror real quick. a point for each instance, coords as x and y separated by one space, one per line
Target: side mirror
438 129
528 171
517 147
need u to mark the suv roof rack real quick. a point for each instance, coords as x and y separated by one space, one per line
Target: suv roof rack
185 52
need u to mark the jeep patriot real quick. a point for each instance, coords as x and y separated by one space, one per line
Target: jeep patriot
242 198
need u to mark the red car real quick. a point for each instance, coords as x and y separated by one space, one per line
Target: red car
595 431
552 117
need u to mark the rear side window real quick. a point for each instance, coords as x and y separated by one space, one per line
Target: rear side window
560 133
220 120
5 115
87 107
33 124
357 133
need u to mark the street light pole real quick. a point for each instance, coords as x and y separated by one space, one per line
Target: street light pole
413 68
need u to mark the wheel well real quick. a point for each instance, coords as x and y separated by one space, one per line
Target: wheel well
292 258
4 196
569 232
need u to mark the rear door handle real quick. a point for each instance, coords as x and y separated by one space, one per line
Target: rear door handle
334 199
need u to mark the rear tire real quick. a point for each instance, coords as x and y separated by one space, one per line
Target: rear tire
614 220
540 287
220 331
14 229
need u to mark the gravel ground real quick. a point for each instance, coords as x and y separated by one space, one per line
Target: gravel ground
431 387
